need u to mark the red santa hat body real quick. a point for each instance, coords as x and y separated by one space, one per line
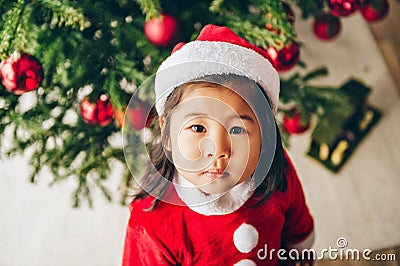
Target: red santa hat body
217 50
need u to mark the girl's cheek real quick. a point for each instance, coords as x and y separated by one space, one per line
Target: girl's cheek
189 147
240 144
244 148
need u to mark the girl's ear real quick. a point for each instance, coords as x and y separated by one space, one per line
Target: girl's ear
162 123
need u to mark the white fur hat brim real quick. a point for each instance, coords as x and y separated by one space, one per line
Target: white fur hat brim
198 59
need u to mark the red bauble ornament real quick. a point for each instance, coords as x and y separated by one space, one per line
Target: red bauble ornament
21 73
326 26
99 113
374 10
292 122
162 31
343 8
286 58
140 113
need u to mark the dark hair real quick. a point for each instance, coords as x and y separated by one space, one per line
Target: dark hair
159 174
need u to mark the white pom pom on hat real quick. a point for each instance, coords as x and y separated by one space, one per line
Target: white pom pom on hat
217 50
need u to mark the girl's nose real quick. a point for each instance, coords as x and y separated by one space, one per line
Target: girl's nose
222 143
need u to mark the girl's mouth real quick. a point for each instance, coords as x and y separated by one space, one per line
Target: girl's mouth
215 173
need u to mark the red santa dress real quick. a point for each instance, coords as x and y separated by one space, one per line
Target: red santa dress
225 231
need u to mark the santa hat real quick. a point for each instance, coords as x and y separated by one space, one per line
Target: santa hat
217 50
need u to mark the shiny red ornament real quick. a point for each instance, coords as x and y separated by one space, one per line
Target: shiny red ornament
374 10
292 123
21 72
162 31
99 113
285 58
326 26
140 113
343 8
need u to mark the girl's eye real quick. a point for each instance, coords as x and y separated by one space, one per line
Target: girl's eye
198 128
237 130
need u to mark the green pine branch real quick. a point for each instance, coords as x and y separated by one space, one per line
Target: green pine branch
150 8
298 91
10 28
63 13
277 17
310 7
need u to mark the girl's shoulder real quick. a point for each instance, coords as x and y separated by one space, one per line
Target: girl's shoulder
144 207
294 189
142 212
141 204
166 203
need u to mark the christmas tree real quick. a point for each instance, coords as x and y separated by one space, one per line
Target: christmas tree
77 64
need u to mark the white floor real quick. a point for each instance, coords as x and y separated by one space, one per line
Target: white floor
361 202
38 226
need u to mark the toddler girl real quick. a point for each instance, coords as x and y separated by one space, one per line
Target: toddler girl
220 189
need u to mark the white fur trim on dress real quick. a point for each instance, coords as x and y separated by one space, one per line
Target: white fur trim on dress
212 204
197 59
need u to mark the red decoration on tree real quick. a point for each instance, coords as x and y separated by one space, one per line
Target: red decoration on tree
374 10
285 58
326 26
140 113
99 113
21 73
162 31
343 8
292 122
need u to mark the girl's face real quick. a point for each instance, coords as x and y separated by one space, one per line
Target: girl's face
215 138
